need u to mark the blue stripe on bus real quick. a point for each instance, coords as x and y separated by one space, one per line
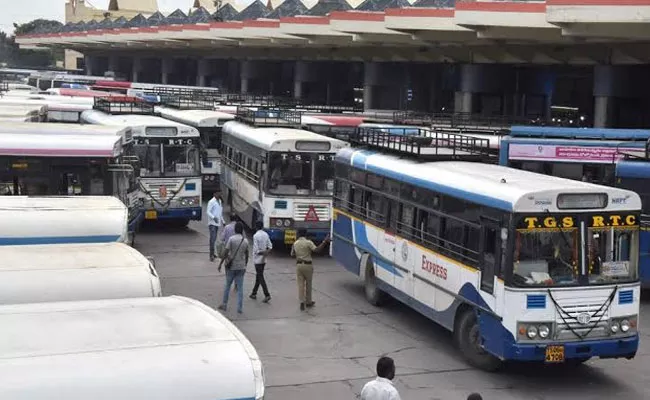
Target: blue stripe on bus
580 133
9 241
361 239
359 159
535 301
633 169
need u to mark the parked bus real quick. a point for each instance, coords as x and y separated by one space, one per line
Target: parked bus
57 219
48 80
24 113
171 348
75 272
591 155
283 177
57 111
168 152
519 266
209 124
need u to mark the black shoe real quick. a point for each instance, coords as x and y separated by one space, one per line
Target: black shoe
212 257
311 304
253 296
302 306
266 299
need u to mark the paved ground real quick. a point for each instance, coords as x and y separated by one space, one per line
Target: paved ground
329 352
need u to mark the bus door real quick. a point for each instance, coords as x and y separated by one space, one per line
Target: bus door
490 252
404 253
386 245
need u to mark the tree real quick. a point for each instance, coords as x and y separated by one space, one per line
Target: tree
12 54
36 26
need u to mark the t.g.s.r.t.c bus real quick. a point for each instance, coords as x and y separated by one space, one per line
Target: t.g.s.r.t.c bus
520 266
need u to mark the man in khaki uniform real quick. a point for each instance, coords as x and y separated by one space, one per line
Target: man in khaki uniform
303 249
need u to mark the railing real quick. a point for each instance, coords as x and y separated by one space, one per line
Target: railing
4 86
429 144
463 120
123 105
183 103
345 133
269 117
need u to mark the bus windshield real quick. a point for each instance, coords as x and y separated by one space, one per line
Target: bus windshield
547 255
301 174
168 158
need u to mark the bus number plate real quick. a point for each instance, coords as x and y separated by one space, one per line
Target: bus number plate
151 214
289 236
554 354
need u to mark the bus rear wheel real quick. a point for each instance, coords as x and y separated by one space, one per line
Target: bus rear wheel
374 295
468 339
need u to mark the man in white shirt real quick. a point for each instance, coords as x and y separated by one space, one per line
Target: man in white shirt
215 221
261 248
382 387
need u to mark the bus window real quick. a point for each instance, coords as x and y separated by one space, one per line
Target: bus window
323 175
374 206
149 157
290 174
405 225
548 258
609 251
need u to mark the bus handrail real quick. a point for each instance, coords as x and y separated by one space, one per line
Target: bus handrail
275 117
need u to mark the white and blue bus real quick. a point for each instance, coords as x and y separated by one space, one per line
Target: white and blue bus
168 156
283 177
612 157
520 266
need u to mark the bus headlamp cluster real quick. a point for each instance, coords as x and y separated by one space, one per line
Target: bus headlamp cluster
624 325
280 222
189 201
209 177
534 330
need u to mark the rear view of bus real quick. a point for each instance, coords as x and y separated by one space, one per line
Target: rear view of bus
283 177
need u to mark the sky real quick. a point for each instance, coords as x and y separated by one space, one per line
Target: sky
55 9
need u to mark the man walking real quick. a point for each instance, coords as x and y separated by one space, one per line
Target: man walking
382 387
228 230
303 249
215 220
235 259
261 248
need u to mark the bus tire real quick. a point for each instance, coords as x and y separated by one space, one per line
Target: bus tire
374 295
467 338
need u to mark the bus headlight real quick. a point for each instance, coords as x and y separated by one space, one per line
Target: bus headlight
189 201
281 222
625 326
544 331
531 332
614 327
287 222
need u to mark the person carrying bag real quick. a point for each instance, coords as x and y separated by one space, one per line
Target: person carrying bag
235 259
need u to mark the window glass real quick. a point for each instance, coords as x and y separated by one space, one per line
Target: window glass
149 157
375 181
610 254
548 258
289 175
181 160
406 220
323 175
375 207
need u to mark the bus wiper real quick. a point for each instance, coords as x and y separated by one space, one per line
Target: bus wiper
562 232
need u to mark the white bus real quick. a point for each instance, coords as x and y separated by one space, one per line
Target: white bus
171 348
283 177
75 272
209 124
57 111
26 113
168 152
56 219
519 266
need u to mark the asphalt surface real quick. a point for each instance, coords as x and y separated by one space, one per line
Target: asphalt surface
330 351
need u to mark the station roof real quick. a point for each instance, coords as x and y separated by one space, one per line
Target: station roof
513 32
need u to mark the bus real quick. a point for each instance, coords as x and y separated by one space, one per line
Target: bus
56 111
611 157
519 266
209 124
24 113
31 220
169 176
74 272
280 176
171 348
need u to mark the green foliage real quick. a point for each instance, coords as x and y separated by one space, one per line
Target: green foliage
12 54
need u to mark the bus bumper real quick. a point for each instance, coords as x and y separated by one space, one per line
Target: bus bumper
285 235
624 347
190 213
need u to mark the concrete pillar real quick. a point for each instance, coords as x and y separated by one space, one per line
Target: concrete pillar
246 74
203 67
463 102
299 76
370 78
166 66
137 66
113 64
89 61
603 106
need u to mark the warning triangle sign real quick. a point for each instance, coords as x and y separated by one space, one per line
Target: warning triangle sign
311 215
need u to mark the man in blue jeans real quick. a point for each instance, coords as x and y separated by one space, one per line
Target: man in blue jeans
215 220
235 259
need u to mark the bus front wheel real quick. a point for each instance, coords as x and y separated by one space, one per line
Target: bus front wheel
468 339
374 295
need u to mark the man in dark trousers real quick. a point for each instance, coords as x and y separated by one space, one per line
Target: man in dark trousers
261 248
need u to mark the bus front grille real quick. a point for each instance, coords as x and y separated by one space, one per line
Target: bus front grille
162 190
569 327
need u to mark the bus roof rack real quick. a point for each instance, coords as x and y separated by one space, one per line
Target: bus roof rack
329 108
269 117
427 144
123 105
184 103
345 133
461 120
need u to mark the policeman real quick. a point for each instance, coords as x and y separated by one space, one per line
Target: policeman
303 249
